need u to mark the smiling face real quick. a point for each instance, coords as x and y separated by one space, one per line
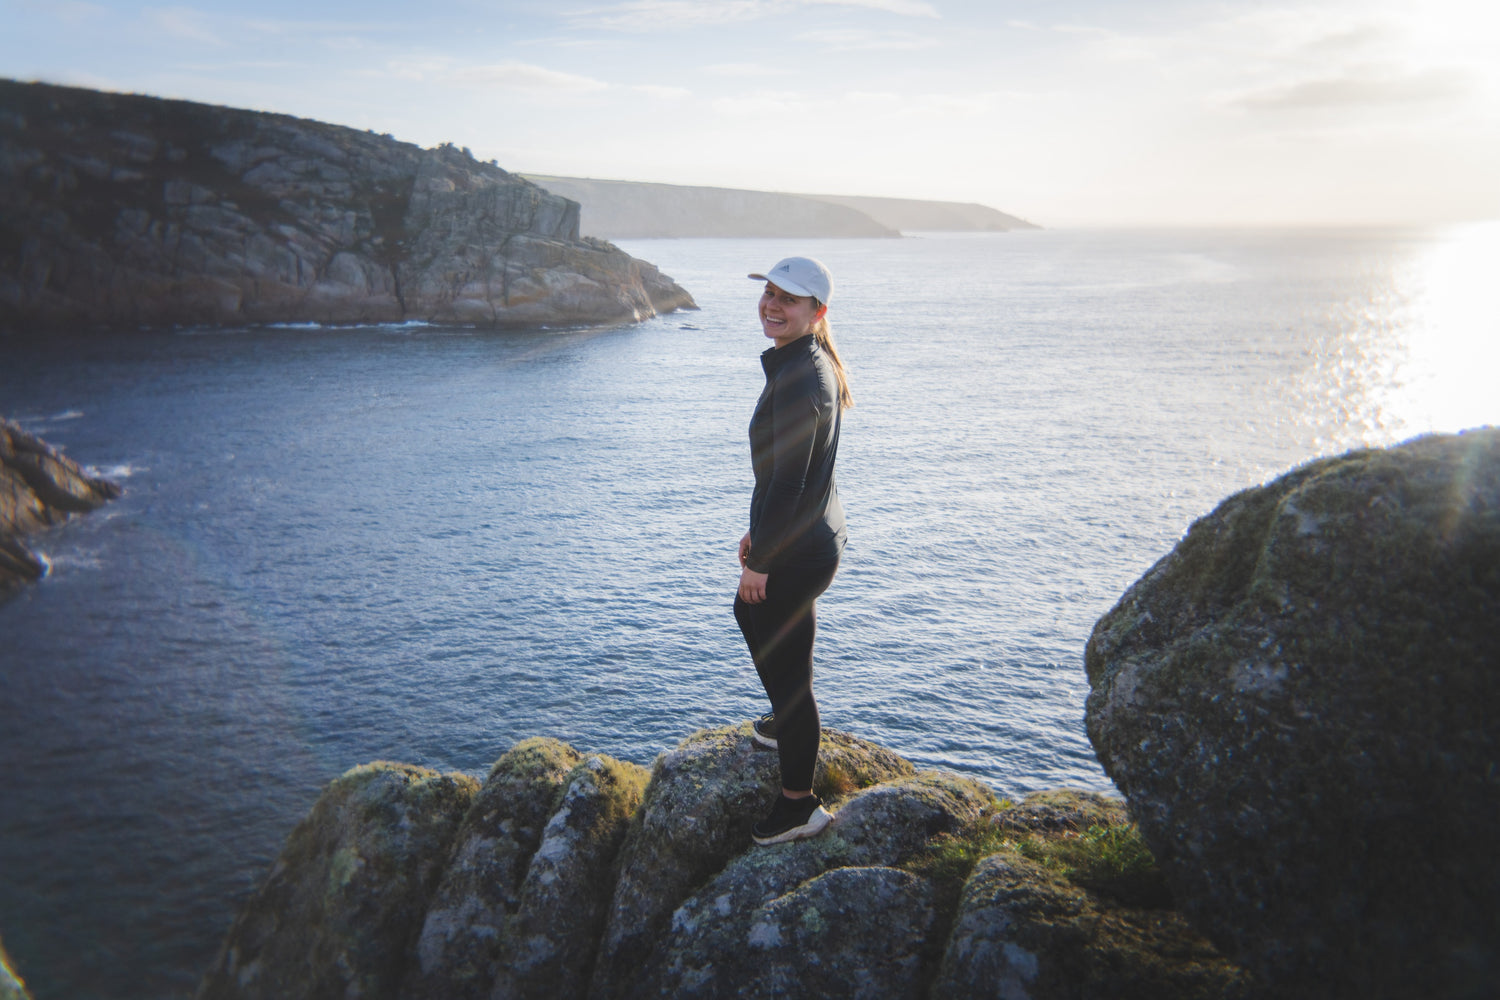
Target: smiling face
786 317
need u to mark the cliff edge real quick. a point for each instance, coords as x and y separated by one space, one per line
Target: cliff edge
574 875
120 210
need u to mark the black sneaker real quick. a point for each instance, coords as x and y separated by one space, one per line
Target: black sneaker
792 819
765 730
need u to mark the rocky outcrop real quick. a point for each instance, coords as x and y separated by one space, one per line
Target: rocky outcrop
340 912
548 948
704 797
1044 919
832 916
571 876
458 952
120 211
1299 703
39 487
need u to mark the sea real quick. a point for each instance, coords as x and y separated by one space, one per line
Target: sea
424 544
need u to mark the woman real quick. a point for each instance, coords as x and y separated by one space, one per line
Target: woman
791 552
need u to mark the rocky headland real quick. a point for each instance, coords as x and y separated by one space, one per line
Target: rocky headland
1298 703
121 211
39 487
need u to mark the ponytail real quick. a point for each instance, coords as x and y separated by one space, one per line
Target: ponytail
824 336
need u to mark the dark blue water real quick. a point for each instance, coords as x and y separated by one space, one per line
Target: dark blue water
425 544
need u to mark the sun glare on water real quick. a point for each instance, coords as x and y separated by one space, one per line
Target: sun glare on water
1414 349
1448 378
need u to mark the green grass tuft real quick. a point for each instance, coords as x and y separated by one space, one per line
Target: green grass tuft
1112 860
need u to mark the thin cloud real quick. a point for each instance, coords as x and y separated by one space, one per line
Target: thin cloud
272 26
1368 89
762 103
183 22
662 92
71 11
939 105
1357 38
856 40
741 69
906 8
512 75
658 15
413 67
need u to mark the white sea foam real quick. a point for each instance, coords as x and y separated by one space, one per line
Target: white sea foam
124 471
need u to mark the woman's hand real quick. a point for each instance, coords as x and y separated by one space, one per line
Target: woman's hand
752 586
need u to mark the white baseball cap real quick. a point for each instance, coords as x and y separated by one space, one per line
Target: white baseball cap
800 276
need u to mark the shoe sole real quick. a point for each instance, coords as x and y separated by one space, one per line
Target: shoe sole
764 741
816 824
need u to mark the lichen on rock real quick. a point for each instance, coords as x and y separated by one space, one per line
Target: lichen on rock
1299 704
704 952
1025 932
549 944
341 908
571 876
458 949
703 798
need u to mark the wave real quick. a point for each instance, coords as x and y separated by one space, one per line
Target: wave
110 471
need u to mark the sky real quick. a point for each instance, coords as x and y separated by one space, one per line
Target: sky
1067 113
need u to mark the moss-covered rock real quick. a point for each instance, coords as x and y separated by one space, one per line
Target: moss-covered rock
1061 809
703 798
1299 704
458 951
704 953
1023 931
850 932
344 902
548 946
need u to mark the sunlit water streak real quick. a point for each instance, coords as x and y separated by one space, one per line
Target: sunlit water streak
425 544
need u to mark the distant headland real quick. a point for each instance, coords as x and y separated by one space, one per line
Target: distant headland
631 209
123 211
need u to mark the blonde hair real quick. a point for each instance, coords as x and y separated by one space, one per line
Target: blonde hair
823 333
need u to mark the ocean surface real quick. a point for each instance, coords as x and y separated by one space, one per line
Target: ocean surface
424 544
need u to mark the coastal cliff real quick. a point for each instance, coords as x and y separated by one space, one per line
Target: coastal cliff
39 487
122 211
632 209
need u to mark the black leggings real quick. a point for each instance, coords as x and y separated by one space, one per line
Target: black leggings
780 632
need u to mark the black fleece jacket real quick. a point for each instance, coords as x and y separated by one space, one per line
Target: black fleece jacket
795 515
